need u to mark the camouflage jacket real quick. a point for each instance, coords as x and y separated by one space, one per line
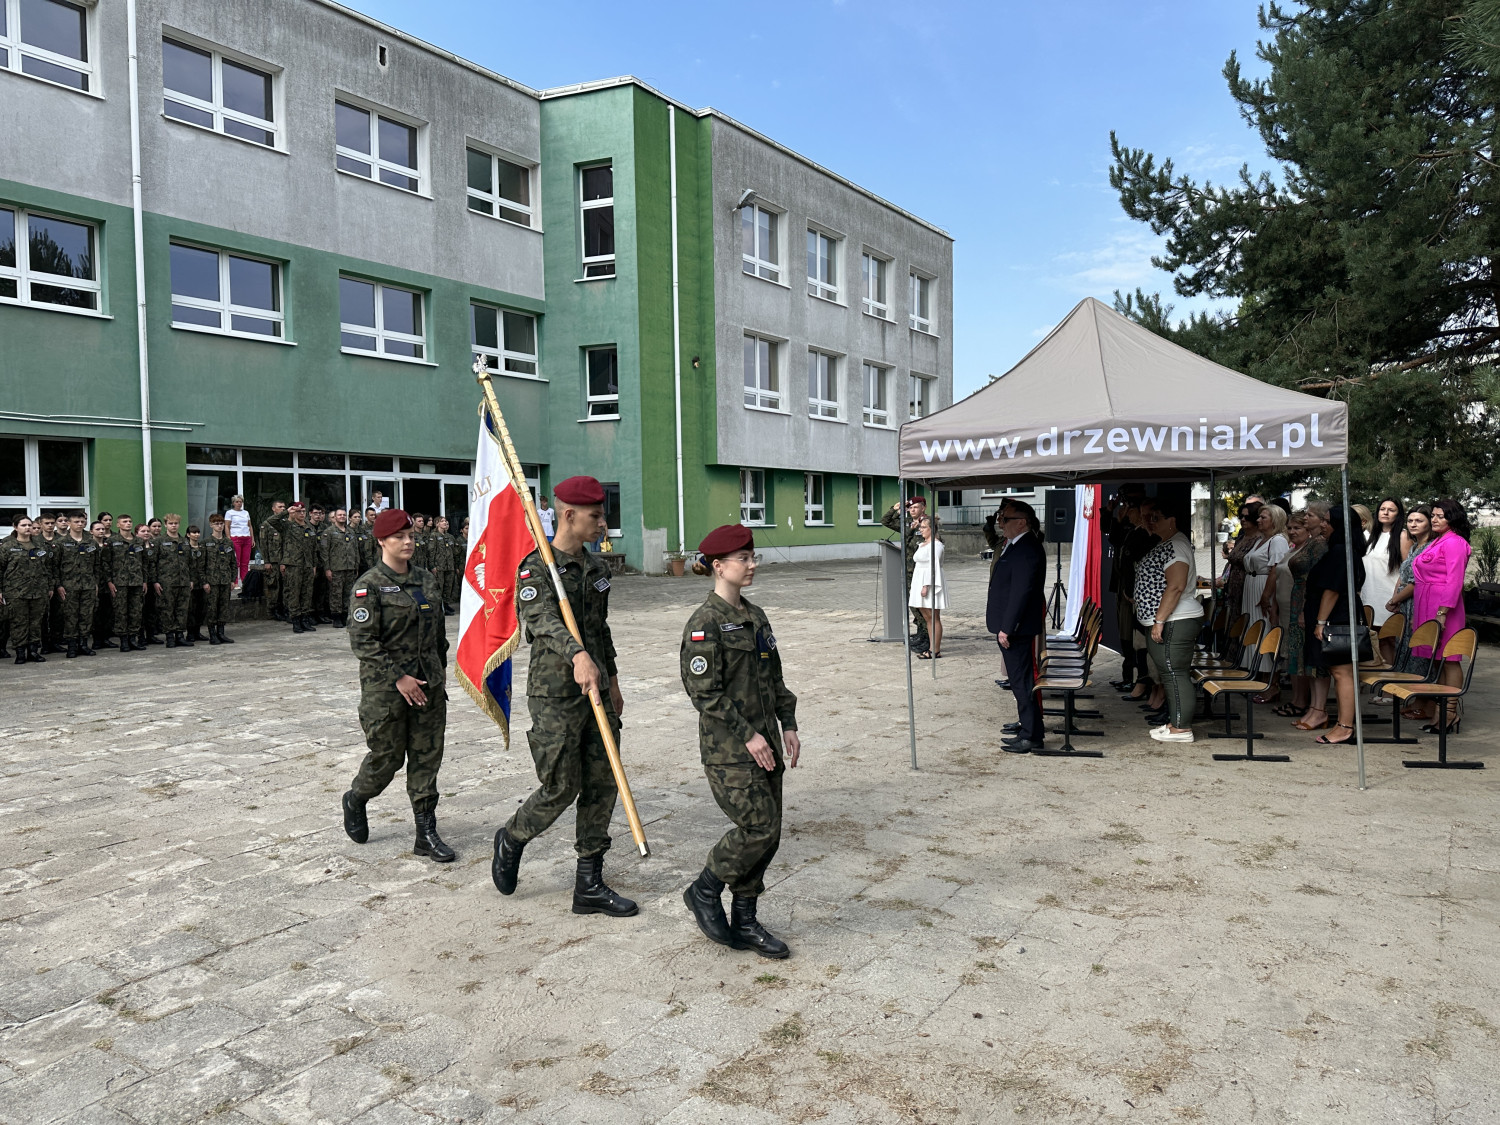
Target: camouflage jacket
396 628
174 562
338 548
460 553
892 520
28 570
299 544
150 559
125 561
732 672
419 555
369 550
270 538
440 552
81 563
585 578
220 566
198 557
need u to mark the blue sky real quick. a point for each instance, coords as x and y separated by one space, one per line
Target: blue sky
991 119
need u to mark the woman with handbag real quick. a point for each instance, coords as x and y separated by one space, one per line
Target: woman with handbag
1330 643
1440 572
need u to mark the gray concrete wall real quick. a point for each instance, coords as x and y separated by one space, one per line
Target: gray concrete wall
807 195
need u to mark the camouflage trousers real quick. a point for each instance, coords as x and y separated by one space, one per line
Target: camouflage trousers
297 584
572 766
339 587
173 604
4 625
399 734
448 585
128 602
922 641
271 578
26 620
216 605
78 610
751 797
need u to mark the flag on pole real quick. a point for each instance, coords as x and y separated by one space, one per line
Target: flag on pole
499 539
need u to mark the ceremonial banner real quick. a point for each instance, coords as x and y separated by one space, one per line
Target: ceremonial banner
498 540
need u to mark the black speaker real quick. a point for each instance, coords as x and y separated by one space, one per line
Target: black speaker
1061 509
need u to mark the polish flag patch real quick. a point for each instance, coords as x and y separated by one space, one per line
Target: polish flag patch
524 574
698 635
361 593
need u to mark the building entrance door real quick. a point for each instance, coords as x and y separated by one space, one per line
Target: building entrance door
386 486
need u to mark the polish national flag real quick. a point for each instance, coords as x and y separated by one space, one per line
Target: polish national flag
499 539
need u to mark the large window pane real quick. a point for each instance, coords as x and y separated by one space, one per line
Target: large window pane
276 457
515 182
485 327
60 468
353 127
188 113
598 232
187 70
60 247
520 333
12 466
210 455
252 284
7 238
247 91
56 27
356 302
481 165
261 488
398 143
403 312
195 273
320 461
192 314
599 183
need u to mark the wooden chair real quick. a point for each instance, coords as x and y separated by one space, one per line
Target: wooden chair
1235 643
1230 669
1265 655
1463 645
1424 635
1068 677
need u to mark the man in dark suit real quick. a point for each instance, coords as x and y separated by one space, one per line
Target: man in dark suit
1017 615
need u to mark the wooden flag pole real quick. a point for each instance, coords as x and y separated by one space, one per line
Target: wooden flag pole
539 537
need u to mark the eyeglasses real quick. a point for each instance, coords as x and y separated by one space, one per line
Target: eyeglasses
744 560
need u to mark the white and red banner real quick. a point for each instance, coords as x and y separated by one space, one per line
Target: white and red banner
498 540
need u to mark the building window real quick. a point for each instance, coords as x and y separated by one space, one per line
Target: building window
598 192
380 320
603 382
202 87
921 303
822 385
39 475
499 188
822 266
873 270
762 373
225 292
758 232
753 497
376 147
612 519
919 396
47 261
877 408
504 341
866 500
47 39
814 494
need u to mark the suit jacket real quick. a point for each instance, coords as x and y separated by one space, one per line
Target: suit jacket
1017 601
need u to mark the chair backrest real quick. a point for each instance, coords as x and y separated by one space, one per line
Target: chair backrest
1270 644
1369 616
1391 630
1426 635
1463 645
1252 636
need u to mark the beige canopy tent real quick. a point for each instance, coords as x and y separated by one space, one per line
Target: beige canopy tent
1101 399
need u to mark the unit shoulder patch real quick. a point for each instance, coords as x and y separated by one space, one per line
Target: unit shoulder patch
698 665
361 615
527 593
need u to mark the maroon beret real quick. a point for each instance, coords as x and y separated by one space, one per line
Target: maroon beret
295 504
391 522
579 490
726 540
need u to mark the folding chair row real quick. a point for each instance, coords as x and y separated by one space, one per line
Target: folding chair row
1066 672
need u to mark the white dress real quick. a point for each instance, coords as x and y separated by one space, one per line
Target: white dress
1380 580
923 574
1259 560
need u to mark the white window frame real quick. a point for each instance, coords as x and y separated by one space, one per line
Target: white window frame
224 307
494 200
372 158
15 50
32 500
823 409
218 56
379 331
919 391
754 263
817 286
815 500
876 415
586 205
613 532
753 513
24 276
498 363
918 322
590 399
868 276
865 486
767 395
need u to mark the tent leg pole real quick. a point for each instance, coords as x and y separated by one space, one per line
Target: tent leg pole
1359 722
911 699
1213 549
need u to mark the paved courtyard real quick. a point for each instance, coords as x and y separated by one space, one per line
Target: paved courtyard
188 934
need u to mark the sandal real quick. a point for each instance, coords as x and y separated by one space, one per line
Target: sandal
1263 697
1324 740
1290 711
937 656
1324 725
924 656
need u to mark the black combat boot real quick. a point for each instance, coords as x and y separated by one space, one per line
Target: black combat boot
223 640
506 864
125 645
297 626
20 654
195 635
341 621
429 843
84 647
308 626
702 896
72 648
213 634
105 642
592 896
356 823
35 654
185 641
171 640
745 932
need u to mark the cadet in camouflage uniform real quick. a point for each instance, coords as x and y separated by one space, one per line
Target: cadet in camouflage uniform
147 534
316 519
338 557
221 570
5 609
565 743
125 566
916 508
28 579
199 591
174 581
440 554
747 735
104 603
419 539
299 557
80 566
396 628
366 540
270 554
49 536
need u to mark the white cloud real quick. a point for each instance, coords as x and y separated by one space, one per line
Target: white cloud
1121 261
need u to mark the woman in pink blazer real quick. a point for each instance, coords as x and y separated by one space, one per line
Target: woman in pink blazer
1439 573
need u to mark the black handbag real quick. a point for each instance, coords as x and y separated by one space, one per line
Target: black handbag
1337 649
